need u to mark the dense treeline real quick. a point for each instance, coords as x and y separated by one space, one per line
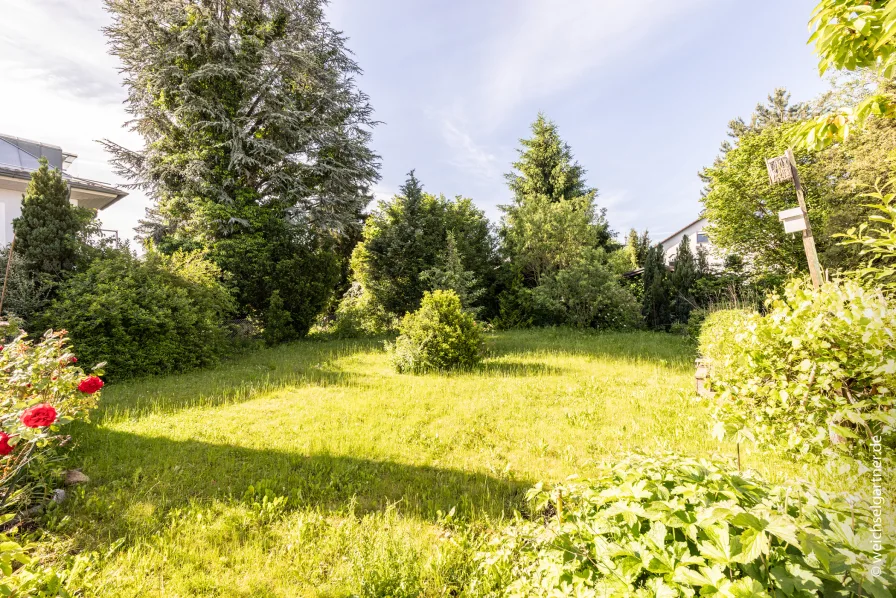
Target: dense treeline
257 156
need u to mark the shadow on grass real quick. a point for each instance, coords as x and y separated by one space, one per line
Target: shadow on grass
303 363
137 474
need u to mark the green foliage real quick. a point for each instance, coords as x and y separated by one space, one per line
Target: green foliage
587 294
37 374
303 270
742 205
438 336
636 247
449 275
27 294
814 376
47 232
717 340
406 250
876 240
851 35
682 281
145 316
553 214
256 141
655 302
358 315
277 321
674 526
23 575
555 241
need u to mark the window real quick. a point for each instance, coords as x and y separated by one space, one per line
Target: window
702 238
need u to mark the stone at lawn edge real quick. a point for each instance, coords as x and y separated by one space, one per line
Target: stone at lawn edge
73 476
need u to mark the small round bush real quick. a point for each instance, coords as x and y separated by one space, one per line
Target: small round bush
438 336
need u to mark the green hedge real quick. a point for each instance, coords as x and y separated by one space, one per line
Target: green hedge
145 316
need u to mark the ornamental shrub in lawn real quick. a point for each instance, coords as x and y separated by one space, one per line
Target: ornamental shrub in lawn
41 391
814 376
440 335
674 526
145 316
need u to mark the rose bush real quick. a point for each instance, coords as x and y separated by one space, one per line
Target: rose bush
41 391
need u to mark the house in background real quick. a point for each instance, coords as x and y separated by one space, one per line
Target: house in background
696 238
19 158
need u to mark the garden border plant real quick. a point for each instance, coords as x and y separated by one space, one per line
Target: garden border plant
678 526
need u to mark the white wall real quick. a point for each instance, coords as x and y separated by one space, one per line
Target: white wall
670 246
10 208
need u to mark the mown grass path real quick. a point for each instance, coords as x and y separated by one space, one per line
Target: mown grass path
314 469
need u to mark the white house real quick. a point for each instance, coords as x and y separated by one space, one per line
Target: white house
19 157
696 238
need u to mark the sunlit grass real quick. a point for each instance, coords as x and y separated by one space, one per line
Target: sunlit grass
314 469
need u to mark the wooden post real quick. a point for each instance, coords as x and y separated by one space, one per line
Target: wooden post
808 239
6 277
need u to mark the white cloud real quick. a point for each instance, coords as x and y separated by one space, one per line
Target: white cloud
467 153
547 46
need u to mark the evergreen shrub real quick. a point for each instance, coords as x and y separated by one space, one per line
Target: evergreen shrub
438 336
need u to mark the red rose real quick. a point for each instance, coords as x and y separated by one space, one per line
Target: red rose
90 385
74 359
5 449
39 416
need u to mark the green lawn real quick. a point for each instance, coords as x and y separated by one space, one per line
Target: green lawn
314 469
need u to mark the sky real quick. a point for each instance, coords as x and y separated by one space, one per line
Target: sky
641 91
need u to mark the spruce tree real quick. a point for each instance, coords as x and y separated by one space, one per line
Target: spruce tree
546 167
553 216
656 303
407 236
682 281
47 231
449 274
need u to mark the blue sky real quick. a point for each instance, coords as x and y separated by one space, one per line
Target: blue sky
642 91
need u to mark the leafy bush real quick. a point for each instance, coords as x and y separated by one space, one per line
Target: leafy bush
814 376
277 321
716 338
358 314
145 316
876 240
587 294
42 390
673 526
438 336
